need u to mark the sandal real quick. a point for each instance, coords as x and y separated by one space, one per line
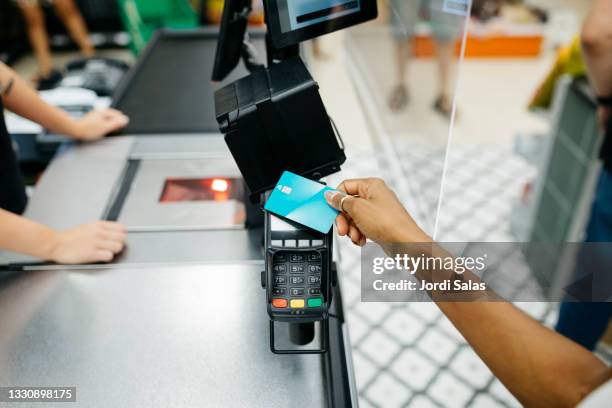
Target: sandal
399 98
443 106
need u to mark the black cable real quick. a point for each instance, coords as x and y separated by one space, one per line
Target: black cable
337 132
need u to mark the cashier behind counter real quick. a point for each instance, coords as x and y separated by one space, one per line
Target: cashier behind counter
96 242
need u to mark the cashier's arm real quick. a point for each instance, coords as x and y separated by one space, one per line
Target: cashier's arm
539 366
96 242
24 101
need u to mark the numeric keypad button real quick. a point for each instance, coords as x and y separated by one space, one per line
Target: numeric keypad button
314 268
314 280
297 269
279 268
315 256
296 291
297 258
297 280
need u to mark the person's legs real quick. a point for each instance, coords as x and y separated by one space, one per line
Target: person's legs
71 16
444 58
403 49
37 33
447 28
404 16
399 96
585 322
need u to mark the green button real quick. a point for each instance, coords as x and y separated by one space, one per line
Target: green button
316 302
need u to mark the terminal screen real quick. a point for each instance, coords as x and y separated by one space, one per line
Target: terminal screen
297 14
279 225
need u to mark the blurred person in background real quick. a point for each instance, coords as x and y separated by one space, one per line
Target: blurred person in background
34 16
96 242
446 28
585 323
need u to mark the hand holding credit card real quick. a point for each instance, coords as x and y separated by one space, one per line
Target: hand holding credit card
302 200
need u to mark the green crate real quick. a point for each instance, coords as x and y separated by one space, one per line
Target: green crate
143 17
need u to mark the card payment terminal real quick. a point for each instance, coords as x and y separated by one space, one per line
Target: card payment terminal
297 278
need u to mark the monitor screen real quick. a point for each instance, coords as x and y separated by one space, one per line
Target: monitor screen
231 34
298 14
293 21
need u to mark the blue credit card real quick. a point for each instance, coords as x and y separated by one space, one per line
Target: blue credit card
302 200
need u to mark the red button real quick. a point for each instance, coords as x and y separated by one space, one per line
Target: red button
279 303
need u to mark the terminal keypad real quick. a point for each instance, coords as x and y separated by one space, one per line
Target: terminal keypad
297 280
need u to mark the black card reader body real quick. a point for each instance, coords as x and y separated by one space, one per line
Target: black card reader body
298 264
297 278
274 120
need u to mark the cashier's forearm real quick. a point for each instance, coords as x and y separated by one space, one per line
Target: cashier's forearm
596 39
19 98
539 366
18 234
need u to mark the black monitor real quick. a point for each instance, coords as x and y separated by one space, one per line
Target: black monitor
293 21
231 37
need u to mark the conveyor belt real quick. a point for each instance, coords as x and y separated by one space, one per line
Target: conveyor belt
169 89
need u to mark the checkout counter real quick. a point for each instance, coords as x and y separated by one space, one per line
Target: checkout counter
179 318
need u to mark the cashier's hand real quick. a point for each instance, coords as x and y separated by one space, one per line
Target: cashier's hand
373 211
90 243
98 123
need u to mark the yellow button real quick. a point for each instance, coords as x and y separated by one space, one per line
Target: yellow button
297 303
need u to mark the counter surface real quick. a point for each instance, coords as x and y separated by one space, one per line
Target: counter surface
151 336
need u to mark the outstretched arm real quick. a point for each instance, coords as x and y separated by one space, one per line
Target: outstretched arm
539 366
18 97
97 242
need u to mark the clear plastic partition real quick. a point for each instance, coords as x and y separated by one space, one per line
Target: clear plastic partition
523 158
486 118
405 66
490 134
